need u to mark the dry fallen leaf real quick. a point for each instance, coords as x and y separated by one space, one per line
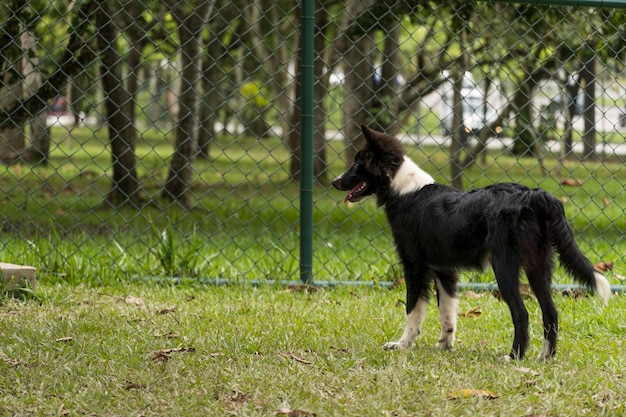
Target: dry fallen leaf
572 182
302 288
524 290
65 339
166 310
528 383
159 356
131 385
606 202
574 293
182 349
295 358
468 392
163 355
239 397
474 295
168 335
603 266
9 361
12 362
286 411
397 283
474 312
527 371
135 301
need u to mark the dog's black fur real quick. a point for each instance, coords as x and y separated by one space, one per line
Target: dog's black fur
439 230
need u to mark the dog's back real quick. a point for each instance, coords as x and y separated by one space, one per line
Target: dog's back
452 229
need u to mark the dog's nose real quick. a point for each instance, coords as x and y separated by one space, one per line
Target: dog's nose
337 182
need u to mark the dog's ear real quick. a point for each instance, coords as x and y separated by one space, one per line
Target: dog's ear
373 139
387 150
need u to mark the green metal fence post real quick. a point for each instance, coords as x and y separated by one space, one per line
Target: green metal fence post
306 145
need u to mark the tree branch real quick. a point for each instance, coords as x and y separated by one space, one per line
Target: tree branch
76 57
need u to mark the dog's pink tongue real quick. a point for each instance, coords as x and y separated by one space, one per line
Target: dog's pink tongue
353 192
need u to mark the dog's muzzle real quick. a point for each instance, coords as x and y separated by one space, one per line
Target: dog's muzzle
337 183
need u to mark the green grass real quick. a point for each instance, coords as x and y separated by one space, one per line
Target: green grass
90 351
244 223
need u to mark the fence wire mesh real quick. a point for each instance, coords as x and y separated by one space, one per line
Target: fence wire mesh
145 138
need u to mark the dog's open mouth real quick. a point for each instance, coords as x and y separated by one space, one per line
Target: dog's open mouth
356 193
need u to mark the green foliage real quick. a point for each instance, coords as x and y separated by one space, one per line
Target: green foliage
255 94
244 222
178 258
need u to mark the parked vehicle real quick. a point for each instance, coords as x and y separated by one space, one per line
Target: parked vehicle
477 112
59 113
59 107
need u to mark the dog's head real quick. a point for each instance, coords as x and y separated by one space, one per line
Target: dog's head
373 169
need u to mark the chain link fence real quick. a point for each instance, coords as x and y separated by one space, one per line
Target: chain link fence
145 138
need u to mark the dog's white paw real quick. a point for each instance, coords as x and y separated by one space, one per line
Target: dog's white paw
547 353
445 344
394 346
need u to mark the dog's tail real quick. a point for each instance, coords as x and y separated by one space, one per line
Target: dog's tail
562 238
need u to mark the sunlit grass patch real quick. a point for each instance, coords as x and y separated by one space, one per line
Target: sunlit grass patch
197 350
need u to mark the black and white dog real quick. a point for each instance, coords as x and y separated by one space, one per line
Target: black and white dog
439 230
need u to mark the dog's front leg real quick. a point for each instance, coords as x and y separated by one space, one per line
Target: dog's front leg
413 328
416 307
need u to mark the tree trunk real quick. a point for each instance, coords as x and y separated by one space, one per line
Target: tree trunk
213 79
75 58
525 137
459 136
295 135
39 149
571 89
359 76
134 62
12 86
122 134
588 74
387 102
206 133
190 25
272 34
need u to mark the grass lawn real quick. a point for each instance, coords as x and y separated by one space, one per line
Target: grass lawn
244 223
97 339
139 350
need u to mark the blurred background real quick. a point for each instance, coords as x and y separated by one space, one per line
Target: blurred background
162 139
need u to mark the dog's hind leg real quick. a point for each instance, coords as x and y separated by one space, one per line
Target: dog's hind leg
448 304
539 273
416 307
506 268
